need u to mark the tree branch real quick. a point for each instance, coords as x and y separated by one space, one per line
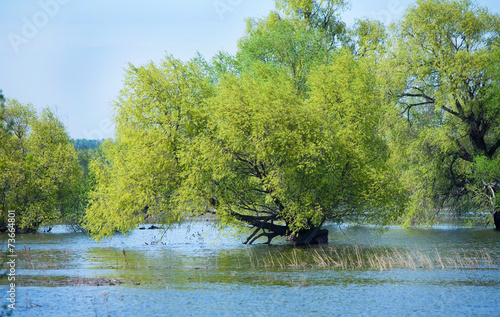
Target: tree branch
464 154
493 149
456 114
251 236
264 223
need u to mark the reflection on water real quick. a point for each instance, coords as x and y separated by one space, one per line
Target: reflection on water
196 270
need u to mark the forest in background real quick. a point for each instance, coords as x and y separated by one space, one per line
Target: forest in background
309 122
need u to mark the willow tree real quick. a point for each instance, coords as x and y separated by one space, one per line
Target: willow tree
323 15
284 43
38 164
159 111
446 70
248 149
285 164
298 36
282 137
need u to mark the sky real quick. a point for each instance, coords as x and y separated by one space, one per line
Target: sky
70 55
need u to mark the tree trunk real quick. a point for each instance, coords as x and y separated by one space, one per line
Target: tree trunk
496 219
309 237
265 225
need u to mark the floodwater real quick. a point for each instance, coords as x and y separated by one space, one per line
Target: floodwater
197 270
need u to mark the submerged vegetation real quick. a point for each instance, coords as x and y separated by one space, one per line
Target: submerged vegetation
361 257
309 122
135 265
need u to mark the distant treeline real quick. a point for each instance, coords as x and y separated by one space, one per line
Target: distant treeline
84 144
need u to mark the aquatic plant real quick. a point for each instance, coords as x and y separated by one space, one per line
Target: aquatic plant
371 257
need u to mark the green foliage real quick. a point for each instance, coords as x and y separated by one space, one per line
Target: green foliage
295 130
486 172
370 38
84 186
4 126
248 145
444 72
350 103
322 15
39 167
261 152
284 43
159 112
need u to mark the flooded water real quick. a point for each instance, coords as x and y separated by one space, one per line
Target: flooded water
196 270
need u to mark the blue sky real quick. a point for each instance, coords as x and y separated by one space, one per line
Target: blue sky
70 54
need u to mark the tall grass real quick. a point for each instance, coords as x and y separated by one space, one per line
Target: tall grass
379 258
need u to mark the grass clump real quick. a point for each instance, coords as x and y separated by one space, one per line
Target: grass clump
371 257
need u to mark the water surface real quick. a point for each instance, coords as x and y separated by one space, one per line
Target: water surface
196 270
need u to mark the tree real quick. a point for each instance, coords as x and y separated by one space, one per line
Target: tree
159 112
283 42
85 144
39 167
284 164
13 148
323 15
446 71
370 38
282 137
5 126
250 150
87 150
299 36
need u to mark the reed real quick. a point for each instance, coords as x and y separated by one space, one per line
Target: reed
125 256
370 257
39 259
26 253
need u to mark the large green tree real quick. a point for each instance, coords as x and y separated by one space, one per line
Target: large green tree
159 111
284 136
38 166
445 70
286 43
321 15
247 148
286 164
